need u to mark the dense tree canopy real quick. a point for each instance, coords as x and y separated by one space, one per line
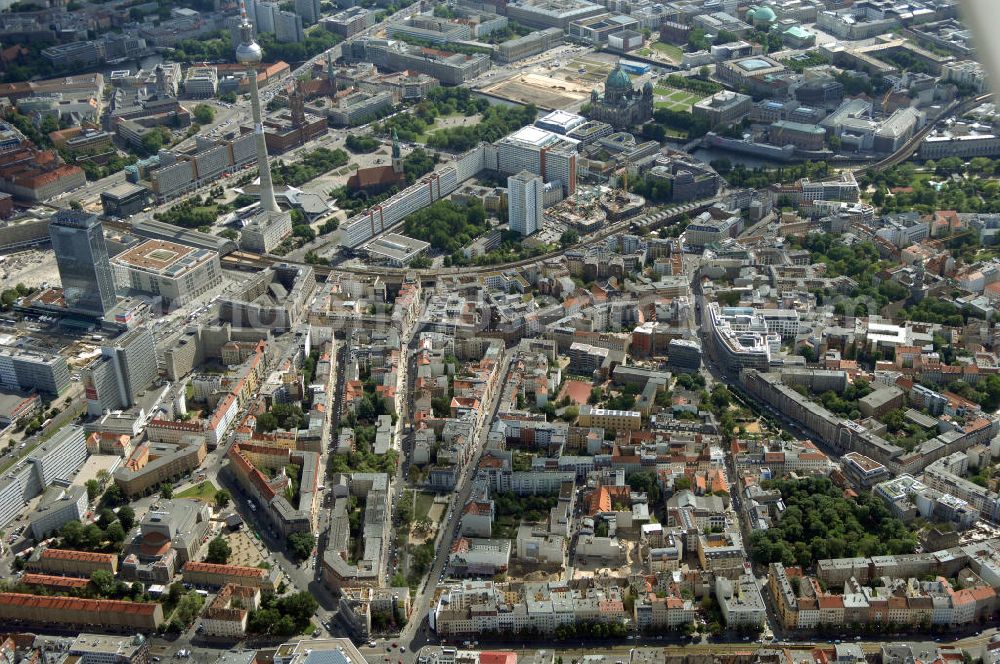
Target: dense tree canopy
311 166
301 545
283 616
819 522
497 122
219 551
446 225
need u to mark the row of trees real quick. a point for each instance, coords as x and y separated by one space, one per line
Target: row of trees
106 534
511 249
760 177
219 47
699 85
317 40
986 393
846 403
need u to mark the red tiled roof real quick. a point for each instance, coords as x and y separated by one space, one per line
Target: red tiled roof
68 554
77 604
497 657
230 570
52 581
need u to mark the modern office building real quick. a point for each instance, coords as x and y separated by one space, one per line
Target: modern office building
541 152
58 506
171 174
350 21
125 199
29 369
127 366
175 272
596 30
60 456
524 195
56 459
201 82
102 649
684 355
531 44
449 68
741 337
82 258
288 27
541 14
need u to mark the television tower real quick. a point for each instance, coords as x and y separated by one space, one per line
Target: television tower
250 54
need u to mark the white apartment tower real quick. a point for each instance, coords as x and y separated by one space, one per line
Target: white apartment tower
524 202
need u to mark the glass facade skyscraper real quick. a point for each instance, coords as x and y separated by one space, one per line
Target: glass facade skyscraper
82 257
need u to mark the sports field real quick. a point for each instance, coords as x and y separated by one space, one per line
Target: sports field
673 99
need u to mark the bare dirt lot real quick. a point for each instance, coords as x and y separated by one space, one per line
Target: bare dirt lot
543 91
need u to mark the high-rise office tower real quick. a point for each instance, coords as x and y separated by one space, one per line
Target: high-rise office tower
82 257
525 192
32 369
127 366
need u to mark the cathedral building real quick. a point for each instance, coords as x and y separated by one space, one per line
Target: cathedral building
621 105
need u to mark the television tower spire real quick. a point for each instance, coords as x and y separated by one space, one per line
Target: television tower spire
250 54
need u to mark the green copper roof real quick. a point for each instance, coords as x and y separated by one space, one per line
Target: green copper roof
618 80
765 14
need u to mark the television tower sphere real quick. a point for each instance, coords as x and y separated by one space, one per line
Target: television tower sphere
249 53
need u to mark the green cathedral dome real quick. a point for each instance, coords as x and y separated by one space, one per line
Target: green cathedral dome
618 80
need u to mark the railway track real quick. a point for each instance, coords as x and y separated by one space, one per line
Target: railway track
912 145
245 260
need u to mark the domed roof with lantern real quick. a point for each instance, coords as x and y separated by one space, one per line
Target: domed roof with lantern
618 81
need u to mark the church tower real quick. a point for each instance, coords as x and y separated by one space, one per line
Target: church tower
397 157
331 73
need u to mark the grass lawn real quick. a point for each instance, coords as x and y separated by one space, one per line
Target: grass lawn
673 106
204 492
668 50
423 505
673 99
